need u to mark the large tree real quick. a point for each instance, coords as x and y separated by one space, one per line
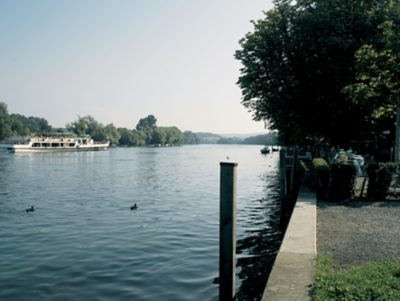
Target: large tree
86 125
149 122
297 62
377 85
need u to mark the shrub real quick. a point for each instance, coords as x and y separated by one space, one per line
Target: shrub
343 177
379 179
321 177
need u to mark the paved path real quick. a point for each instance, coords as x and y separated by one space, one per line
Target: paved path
359 231
293 272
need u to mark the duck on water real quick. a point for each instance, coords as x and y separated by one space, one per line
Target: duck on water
30 209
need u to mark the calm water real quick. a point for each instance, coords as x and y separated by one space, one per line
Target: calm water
84 243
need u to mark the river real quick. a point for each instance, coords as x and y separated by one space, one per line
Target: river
83 242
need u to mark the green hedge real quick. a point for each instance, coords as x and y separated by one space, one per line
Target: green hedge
342 185
321 174
379 179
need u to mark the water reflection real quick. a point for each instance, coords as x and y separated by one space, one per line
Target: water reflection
85 243
256 252
3 174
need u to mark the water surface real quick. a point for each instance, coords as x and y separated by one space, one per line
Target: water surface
84 243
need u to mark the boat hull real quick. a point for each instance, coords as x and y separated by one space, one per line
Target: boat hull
27 149
55 144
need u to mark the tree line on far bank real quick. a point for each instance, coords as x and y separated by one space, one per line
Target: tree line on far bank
264 139
145 133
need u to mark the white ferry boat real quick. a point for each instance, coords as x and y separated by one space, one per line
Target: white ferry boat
54 144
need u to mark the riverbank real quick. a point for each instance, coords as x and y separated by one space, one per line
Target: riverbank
352 233
293 272
358 247
356 232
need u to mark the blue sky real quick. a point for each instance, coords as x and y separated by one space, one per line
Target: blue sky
120 61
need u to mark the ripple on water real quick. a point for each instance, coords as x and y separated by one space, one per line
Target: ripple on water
84 243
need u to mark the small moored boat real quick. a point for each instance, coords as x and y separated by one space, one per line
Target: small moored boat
55 144
265 150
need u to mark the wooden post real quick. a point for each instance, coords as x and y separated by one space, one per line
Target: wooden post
227 231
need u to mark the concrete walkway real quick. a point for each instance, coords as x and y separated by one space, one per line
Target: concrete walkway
293 273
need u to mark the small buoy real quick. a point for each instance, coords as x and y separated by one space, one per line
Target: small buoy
134 207
30 209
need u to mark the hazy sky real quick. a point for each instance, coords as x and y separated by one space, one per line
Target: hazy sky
120 61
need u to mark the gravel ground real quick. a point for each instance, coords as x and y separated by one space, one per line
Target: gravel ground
359 231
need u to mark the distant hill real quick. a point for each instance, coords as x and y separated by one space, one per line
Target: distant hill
241 136
207 138
211 138
266 139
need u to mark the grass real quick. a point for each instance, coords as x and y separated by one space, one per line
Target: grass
370 281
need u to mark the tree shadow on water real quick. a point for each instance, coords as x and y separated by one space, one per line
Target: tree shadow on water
256 256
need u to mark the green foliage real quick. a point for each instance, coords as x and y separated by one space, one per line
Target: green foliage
147 123
377 76
174 135
83 125
190 138
379 179
297 62
210 138
5 128
267 139
229 140
207 138
110 132
343 177
139 138
131 137
371 281
321 174
147 133
320 165
19 125
23 126
127 137
87 125
166 136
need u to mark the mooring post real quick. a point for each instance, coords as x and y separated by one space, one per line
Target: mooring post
227 231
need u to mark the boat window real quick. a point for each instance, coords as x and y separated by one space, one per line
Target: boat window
72 144
36 144
55 145
46 144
